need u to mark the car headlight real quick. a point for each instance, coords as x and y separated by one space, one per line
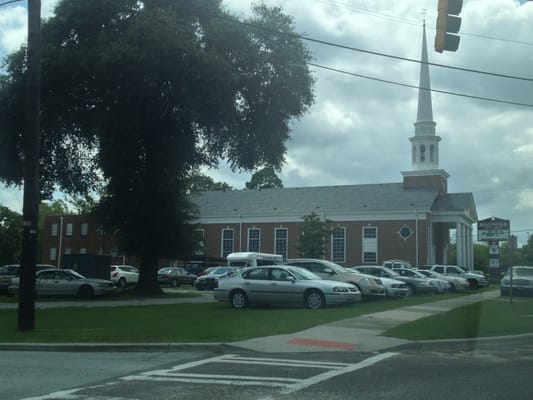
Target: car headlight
340 289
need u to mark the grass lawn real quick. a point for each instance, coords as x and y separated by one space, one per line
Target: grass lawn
180 323
488 318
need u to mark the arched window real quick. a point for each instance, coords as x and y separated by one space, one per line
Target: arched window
432 153
422 153
414 154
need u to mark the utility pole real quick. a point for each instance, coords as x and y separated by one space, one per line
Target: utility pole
31 139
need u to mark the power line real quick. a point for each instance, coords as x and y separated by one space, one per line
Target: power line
5 3
410 21
418 87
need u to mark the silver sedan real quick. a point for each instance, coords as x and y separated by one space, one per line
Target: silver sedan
65 282
285 285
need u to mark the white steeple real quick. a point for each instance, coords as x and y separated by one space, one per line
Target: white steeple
424 144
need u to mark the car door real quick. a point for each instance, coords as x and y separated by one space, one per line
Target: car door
284 289
257 286
44 283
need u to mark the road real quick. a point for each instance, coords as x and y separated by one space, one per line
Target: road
499 369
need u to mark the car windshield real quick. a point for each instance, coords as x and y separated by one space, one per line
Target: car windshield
302 273
74 274
521 271
219 271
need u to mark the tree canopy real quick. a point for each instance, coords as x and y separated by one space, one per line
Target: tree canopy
140 93
313 237
265 178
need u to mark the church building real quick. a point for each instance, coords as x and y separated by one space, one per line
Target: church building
410 220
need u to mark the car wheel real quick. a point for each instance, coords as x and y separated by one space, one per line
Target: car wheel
86 292
174 283
453 289
473 284
314 299
410 290
122 284
238 299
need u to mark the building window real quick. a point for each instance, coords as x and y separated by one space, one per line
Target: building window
68 231
254 239
281 239
54 229
84 229
68 250
83 250
432 153
199 235
53 254
414 154
227 242
369 257
370 244
422 152
338 244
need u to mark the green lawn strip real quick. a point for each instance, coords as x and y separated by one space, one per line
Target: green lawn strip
180 323
484 319
127 295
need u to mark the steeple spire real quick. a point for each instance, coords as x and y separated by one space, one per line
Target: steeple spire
425 144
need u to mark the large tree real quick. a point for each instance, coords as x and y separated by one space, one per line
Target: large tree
10 236
265 178
157 88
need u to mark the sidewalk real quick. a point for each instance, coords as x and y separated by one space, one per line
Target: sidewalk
361 333
357 334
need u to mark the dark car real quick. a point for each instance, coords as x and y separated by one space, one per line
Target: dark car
210 280
175 276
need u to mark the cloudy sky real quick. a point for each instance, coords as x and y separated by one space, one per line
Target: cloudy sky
358 130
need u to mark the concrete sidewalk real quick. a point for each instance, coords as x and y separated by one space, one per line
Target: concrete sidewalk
354 334
360 333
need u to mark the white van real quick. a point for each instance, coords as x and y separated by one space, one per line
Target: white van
251 259
393 264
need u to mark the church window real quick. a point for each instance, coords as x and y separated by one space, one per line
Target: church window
422 153
432 153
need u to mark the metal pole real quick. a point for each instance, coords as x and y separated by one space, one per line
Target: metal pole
31 138
60 242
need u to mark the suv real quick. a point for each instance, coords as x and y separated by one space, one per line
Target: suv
124 275
369 286
475 280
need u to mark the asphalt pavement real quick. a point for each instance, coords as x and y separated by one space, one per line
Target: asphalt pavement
363 333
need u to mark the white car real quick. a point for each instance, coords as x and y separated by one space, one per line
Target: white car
124 275
457 283
393 287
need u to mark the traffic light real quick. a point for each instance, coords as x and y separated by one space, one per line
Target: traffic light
448 24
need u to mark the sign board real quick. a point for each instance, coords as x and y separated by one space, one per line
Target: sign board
493 229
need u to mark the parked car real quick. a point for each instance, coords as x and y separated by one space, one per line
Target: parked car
210 280
10 271
369 286
442 285
457 283
124 275
522 282
475 280
393 287
421 283
175 276
283 285
65 282
415 285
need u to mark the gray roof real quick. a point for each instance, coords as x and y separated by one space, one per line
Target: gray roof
323 199
457 202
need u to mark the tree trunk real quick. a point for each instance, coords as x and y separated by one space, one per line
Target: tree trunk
147 283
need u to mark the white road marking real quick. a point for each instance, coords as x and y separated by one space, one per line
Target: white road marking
330 374
289 385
